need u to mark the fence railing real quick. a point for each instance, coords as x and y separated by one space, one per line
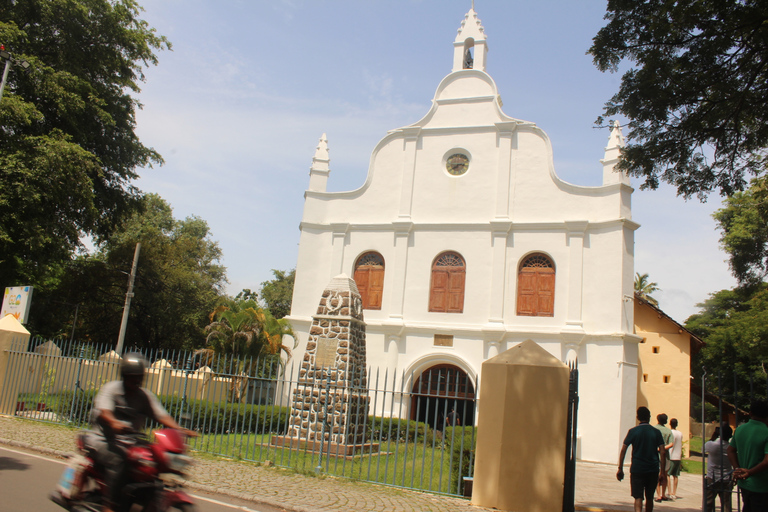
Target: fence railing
418 431
725 401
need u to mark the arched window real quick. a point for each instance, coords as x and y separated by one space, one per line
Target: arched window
369 276
469 61
446 291
443 395
536 286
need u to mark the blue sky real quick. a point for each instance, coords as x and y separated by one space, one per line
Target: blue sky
238 105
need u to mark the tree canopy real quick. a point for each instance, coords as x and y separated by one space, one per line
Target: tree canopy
734 326
67 127
695 92
743 222
277 293
179 280
645 287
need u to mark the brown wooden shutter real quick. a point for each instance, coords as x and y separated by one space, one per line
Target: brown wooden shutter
526 292
361 278
438 291
455 291
546 292
375 288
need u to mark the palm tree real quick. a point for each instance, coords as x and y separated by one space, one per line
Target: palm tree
251 337
644 287
274 331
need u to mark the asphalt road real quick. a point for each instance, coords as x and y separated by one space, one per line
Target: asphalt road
26 479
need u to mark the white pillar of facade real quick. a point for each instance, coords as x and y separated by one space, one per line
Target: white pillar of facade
576 230
505 168
410 144
339 241
400 267
498 284
393 350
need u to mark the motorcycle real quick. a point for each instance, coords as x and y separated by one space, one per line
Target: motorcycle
155 470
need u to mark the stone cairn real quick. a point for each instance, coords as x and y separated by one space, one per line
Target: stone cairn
329 409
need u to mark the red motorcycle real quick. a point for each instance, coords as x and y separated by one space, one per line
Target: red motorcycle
154 485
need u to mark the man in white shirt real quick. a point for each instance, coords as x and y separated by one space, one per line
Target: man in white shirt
675 456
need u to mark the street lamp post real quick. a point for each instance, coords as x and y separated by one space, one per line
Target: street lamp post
9 61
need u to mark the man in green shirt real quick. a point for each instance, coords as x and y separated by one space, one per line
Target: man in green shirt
647 447
669 441
748 453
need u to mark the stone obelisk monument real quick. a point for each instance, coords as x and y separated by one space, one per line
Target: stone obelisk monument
329 409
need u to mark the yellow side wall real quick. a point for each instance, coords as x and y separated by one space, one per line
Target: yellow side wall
673 359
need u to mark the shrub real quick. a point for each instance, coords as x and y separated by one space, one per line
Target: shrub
396 429
224 417
462 440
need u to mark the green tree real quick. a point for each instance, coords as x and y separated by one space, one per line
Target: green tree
242 329
743 222
246 341
236 333
278 292
695 92
179 280
645 287
734 326
67 127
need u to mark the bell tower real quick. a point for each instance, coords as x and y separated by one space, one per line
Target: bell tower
470 48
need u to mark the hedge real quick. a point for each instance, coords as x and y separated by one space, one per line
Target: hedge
225 417
463 452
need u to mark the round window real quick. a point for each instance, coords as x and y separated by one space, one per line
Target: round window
457 164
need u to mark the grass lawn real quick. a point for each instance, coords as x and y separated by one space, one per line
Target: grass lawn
424 466
693 466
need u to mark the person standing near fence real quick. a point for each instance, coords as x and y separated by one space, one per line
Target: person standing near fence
719 469
675 458
748 453
648 460
666 434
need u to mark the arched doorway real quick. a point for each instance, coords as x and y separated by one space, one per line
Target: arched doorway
443 395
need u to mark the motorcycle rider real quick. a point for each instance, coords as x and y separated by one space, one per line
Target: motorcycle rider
123 406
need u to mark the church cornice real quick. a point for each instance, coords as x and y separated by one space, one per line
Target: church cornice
461 101
504 332
490 227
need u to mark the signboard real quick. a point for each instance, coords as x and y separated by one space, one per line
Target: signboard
16 302
326 352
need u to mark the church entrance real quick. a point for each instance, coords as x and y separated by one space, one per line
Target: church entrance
443 396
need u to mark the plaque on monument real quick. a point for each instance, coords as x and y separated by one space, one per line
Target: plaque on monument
326 352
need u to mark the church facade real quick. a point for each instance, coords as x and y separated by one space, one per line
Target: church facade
464 242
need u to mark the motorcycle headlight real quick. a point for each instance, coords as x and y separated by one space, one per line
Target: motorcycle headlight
179 462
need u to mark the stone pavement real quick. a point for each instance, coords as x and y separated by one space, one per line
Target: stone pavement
596 485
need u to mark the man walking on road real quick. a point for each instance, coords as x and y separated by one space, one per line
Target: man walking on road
675 456
648 466
666 434
748 453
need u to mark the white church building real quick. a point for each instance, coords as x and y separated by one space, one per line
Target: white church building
464 242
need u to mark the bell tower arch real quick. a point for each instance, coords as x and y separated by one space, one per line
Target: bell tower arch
470 48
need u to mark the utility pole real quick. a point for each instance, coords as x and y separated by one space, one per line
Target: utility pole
9 60
128 297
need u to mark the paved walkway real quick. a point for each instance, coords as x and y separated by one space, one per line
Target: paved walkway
596 485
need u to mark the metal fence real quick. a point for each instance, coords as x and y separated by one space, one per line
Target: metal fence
725 400
419 430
